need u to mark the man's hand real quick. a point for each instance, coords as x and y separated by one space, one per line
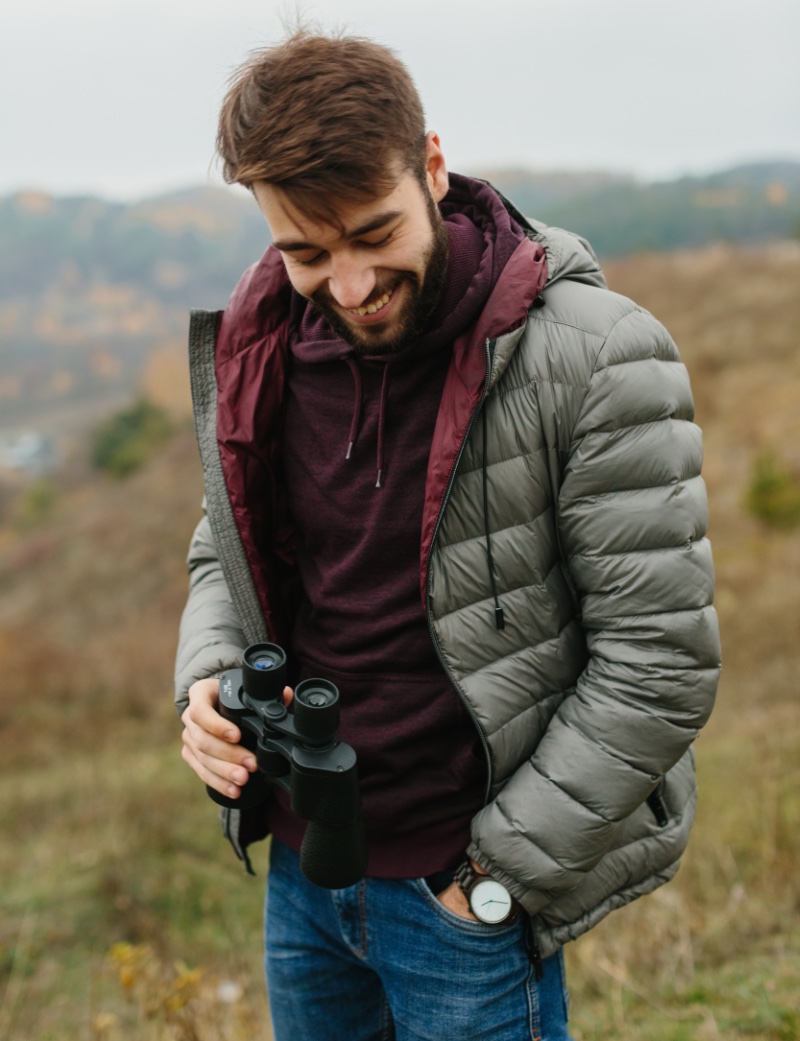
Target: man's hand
211 744
454 900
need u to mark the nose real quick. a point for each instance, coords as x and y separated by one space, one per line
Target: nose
351 281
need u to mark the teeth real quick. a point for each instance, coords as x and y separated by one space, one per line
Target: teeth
372 308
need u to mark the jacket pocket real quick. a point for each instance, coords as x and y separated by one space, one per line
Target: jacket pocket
658 807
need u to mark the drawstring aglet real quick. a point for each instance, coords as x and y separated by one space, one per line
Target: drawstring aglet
378 482
349 450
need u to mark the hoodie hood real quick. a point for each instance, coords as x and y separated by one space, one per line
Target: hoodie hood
482 238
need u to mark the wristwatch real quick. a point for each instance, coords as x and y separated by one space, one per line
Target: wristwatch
489 901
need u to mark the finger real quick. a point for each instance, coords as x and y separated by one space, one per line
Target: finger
288 696
202 711
210 749
219 782
228 771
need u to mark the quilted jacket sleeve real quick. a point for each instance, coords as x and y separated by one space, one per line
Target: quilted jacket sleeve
211 638
632 518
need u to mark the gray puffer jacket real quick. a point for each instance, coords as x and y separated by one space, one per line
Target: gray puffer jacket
582 463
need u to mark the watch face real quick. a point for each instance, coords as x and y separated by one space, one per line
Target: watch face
490 902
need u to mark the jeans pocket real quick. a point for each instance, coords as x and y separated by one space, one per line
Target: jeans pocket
467 926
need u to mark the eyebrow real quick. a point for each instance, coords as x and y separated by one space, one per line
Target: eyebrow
379 221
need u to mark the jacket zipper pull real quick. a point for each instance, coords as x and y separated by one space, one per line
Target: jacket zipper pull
534 951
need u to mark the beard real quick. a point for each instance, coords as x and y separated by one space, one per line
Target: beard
423 296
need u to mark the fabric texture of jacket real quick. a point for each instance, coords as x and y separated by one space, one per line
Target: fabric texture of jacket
565 436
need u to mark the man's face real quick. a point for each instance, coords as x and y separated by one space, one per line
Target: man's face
378 278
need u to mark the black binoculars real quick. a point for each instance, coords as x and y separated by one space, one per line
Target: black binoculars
297 750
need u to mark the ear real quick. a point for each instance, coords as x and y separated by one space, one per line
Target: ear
435 168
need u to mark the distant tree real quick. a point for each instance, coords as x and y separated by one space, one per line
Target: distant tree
127 439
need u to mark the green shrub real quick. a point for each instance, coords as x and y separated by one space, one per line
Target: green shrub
127 439
37 504
773 494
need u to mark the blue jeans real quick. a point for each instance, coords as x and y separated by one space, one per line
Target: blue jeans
383 960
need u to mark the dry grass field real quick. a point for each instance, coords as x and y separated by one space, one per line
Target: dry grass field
122 913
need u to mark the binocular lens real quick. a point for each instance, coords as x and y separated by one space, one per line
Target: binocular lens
264 662
317 698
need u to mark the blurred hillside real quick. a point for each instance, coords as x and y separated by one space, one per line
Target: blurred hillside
745 204
94 295
110 838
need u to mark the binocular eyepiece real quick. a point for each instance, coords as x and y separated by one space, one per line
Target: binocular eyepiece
297 750
316 701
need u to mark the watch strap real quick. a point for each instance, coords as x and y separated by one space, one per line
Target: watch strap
466 877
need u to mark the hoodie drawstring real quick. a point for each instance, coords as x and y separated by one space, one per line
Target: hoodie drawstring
355 423
382 418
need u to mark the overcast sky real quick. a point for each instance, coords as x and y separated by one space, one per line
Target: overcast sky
119 98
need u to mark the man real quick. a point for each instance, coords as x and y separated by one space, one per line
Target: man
449 470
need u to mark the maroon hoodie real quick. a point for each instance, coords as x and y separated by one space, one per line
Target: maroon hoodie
356 446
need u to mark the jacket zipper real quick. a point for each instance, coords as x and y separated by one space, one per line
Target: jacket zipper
490 345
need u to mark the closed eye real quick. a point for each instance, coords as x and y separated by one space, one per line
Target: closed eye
310 261
378 244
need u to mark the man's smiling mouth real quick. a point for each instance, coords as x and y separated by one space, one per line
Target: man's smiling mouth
372 308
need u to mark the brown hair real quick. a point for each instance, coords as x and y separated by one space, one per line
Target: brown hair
326 119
